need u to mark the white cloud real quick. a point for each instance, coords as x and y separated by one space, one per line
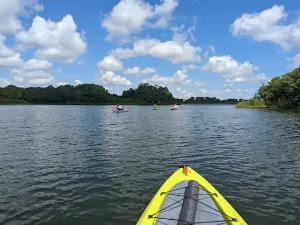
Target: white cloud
138 71
228 84
164 12
295 61
170 50
59 70
36 77
191 67
4 50
59 83
11 58
244 90
4 82
203 91
35 64
269 25
260 76
8 57
10 10
148 70
110 63
231 70
77 82
181 93
180 77
124 53
133 70
122 23
54 41
200 83
227 90
107 77
182 34
11 61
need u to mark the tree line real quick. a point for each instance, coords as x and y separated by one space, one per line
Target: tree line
96 94
280 92
212 100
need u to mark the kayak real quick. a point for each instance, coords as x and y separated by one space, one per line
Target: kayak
187 198
120 111
174 108
154 109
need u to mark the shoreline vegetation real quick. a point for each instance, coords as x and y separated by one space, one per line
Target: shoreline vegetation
92 94
279 93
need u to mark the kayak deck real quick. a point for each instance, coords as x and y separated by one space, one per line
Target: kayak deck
187 198
198 207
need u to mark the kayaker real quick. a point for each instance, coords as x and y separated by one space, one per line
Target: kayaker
175 106
119 107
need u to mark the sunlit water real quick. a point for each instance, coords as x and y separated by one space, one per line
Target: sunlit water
87 165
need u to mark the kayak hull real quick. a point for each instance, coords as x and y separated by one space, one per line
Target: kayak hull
183 182
174 109
120 111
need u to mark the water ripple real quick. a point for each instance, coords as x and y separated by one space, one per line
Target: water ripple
84 164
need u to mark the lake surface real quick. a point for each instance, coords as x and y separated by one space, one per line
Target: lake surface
87 165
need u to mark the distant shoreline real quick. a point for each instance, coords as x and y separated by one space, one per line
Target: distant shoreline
100 104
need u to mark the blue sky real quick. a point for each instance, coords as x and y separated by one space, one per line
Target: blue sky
194 47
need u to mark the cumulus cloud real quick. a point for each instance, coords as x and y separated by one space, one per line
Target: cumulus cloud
110 63
35 78
191 67
173 51
77 82
260 76
109 77
203 91
181 93
4 82
58 41
35 64
8 57
10 10
164 12
121 23
227 90
180 77
295 61
228 84
269 25
138 71
59 83
231 70
182 34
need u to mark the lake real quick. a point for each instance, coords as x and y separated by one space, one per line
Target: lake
87 165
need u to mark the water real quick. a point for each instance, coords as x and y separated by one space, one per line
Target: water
87 165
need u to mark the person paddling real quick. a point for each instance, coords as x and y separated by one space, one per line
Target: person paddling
175 106
119 107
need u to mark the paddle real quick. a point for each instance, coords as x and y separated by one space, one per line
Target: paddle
123 108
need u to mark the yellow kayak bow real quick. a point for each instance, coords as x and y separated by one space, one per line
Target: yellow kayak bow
187 198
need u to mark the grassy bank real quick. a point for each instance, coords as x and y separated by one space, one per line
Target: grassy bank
252 103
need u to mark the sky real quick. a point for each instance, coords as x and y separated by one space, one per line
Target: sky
223 49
